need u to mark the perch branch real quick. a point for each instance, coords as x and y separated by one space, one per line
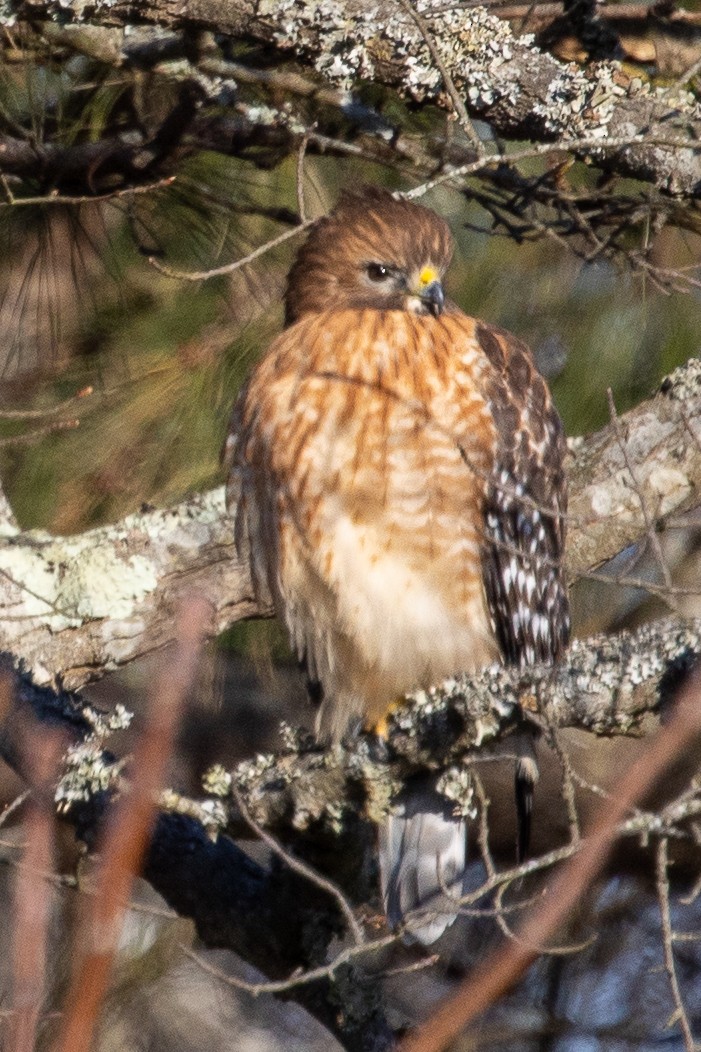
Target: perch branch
608 685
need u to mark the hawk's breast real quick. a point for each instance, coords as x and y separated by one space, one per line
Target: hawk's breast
364 452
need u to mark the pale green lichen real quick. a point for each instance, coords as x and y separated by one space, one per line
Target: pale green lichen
87 772
475 46
217 781
99 582
88 769
34 576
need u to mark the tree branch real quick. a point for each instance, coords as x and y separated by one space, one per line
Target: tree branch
520 90
608 685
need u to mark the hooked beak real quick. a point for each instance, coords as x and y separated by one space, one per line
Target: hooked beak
433 298
427 292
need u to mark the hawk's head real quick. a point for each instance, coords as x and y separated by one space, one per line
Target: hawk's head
371 251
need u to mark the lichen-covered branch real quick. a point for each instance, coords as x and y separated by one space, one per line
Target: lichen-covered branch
647 464
521 91
607 685
74 607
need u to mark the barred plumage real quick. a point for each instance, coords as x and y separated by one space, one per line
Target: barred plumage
524 510
396 476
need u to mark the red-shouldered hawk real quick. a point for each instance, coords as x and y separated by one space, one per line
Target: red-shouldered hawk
397 482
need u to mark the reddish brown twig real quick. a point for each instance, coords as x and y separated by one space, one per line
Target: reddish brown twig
503 967
127 833
42 751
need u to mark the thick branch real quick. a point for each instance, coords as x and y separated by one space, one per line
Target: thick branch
648 465
72 608
521 91
609 685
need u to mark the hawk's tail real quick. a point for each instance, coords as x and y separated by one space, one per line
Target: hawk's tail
525 781
423 850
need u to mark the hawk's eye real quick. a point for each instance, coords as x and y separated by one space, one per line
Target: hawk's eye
378 272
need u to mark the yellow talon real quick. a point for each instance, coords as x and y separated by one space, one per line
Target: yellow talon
381 727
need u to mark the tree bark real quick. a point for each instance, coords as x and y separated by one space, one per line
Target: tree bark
598 112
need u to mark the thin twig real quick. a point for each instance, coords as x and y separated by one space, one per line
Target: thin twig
483 828
55 198
301 206
650 526
416 966
583 143
565 950
686 76
28 437
568 793
691 896
662 883
229 268
626 581
312 975
41 414
9 809
302 868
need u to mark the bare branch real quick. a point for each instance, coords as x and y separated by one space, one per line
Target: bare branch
668 939
303 869
301 978
228 268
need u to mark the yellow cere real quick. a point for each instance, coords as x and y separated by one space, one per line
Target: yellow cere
427 275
